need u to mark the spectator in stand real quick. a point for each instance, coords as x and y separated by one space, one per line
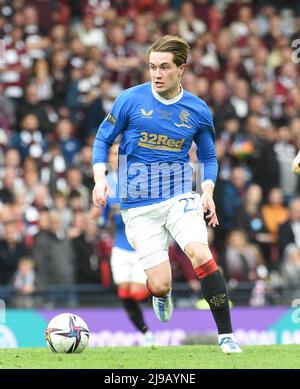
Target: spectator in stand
93 111
229 198
257 107
240 96
109 92
262 162
8 186
30 140
60 74
58 36
290 272
122 63
70 145
41 77
289 232
7 121
41 197
76 202
24 283
249 217
12 159
190 83
74 184
12 249
88 33
54 257
140 39
60 204
11 166
13 71
241 258
189 25
222 107
84 165
53 169
234 148
241 92
32 105
274 212
77 225
285 153
86 253
30 178
36 44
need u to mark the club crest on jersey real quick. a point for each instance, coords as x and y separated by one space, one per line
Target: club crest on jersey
184 120
146 114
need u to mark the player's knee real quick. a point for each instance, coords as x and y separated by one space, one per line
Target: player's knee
198 253
161 288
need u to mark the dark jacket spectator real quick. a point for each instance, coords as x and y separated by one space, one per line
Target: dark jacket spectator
11 251
54 255
87 255
289 232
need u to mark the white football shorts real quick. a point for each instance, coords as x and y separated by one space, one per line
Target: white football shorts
126 267
148 228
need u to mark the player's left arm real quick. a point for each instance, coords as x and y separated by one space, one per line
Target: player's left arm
296 164
206 154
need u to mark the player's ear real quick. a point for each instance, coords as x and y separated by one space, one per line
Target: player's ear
181 69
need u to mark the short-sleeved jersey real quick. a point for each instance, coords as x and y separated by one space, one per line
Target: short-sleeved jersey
156 135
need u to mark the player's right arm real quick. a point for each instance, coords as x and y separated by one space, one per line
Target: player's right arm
109 129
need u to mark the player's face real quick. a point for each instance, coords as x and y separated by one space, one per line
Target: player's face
165 74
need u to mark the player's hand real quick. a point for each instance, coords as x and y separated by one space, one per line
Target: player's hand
210 208
296 164
100 192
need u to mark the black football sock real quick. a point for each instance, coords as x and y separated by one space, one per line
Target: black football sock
135 314
215 293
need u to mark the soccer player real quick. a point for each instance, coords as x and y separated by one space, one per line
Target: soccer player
127 272
296 164
157 122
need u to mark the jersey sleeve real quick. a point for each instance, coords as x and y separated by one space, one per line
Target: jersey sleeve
205 142
114 123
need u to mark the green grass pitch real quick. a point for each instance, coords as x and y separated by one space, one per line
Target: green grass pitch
182 357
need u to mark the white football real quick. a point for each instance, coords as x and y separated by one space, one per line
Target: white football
67 333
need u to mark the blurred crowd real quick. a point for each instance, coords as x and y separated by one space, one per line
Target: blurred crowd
65 63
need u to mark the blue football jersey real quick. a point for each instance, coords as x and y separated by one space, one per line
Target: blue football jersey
156 135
